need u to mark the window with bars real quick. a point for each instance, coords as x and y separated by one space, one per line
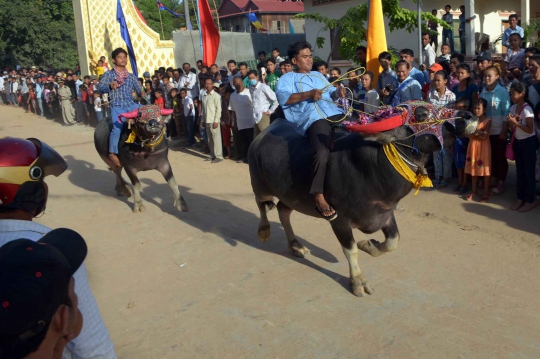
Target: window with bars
278 27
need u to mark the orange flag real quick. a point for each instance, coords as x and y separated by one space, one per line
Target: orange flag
376 37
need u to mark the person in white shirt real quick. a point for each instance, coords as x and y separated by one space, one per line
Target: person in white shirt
242 107
264 102
234 72
275 55
189 115
26 200
428 54
189 81
371 100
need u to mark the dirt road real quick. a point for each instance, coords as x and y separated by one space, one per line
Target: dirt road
463 283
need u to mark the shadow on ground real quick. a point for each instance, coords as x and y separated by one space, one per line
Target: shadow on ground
231 223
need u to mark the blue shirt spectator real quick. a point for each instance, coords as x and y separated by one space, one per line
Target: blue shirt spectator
418 76
407 90
304 113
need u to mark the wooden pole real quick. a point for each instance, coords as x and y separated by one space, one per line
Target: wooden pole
161 22
219 28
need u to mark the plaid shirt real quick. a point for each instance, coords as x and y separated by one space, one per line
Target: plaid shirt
448 98
123 95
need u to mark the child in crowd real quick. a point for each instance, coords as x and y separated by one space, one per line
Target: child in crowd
335 72
478 162
497 110
97 106
81 113
159 99
431 75
445 53
525 144
371 101
147 95
189 115
441 96
466 87
515 56
31 99
460 150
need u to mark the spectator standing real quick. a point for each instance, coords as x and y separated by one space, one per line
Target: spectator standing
231 64
241 106
65 98
264 102
434 27
455 60
40 87
387 80
462 21
466 87
243 68
408 56
177 75
512 29
211 104
371 101
408 88
498 108
261 56
97 107
275 55
189 114
460 150
448 33
24 92
189 81
515 56
225 92
167 87
428 55
272 75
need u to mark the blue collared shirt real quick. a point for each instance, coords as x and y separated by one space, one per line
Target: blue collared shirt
39 89
122 96
407 90
498 107
418 76
387 77
509 31
304 113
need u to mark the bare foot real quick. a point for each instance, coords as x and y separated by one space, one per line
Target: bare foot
517 205
114 158
527 207
324 208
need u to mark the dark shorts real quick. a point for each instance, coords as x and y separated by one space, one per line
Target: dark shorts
459 160
434 39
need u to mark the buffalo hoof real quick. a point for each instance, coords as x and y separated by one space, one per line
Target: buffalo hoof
138 207
181 205
371 247
297 249
123 191
264 232
360 287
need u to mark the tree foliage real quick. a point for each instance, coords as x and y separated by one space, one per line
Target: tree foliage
352 27
40 33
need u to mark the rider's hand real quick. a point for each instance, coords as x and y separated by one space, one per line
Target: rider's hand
315 94
215 125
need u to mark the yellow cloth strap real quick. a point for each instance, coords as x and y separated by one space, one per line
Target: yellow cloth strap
418 180
134 134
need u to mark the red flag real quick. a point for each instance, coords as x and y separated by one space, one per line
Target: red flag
209 33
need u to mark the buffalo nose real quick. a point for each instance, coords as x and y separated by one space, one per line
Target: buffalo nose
152 123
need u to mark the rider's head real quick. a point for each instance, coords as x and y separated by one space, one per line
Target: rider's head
300 55
119 57
23 166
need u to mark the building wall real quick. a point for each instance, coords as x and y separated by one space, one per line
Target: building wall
240 23
490 13
98 31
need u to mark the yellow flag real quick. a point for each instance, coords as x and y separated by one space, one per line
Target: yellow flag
376 38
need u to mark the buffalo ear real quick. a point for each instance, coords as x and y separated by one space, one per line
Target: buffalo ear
383 137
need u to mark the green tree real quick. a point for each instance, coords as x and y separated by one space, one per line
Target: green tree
350 30
40 33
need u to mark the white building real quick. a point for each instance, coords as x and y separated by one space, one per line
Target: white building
491 19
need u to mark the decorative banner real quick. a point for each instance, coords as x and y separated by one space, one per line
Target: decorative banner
163 7
209 33
376 37
291 28
255 22
125 36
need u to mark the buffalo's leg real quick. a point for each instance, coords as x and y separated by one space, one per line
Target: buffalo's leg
343 231
391 234
138 205
264 226
297 249
121 188
179 202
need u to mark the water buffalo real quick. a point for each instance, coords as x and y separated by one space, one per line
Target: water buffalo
361 184
148 152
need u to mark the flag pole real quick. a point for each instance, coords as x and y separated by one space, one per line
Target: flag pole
189 26
161 22
200 30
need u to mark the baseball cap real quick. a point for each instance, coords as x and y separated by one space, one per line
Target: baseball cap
435 67
223 68
33 68
93 77
483 56
216 85
58 74
34 281
146 74
60 80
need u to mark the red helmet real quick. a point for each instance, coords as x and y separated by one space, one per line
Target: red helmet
23 161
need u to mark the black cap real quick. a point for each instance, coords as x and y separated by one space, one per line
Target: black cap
483 56
34 281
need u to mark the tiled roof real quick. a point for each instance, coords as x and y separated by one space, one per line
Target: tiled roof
278 6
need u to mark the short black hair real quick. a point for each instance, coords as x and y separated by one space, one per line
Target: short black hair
166 76
403 62
174 89
158 91
333 79
514 34
336 69
148 82
87 77
285 62
186 63
295 48
261 53
322 63
424 33
118 51
534 50
460 57
519 87
272 60
183 89
361 47
252 72
243 64
481 101
385 55
275 49
370 74
199 62
231 62
513 16
169 69
464 101
448 6
407 52
434 11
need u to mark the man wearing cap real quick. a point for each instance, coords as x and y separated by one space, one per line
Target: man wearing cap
483 61
211 104
23 195
65 97
224 75
40 313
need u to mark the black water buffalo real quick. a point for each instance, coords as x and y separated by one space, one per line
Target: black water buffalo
361 184
135 157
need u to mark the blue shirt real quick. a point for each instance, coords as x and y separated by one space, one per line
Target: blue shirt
122 96
418 76
407 90
39 89
472 88
304 113
498 107
509 31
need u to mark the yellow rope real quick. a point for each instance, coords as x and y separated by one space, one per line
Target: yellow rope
417 179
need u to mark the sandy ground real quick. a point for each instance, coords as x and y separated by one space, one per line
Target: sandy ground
463 283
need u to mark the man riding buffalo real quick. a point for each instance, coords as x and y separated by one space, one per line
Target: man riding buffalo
120 85
308 107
